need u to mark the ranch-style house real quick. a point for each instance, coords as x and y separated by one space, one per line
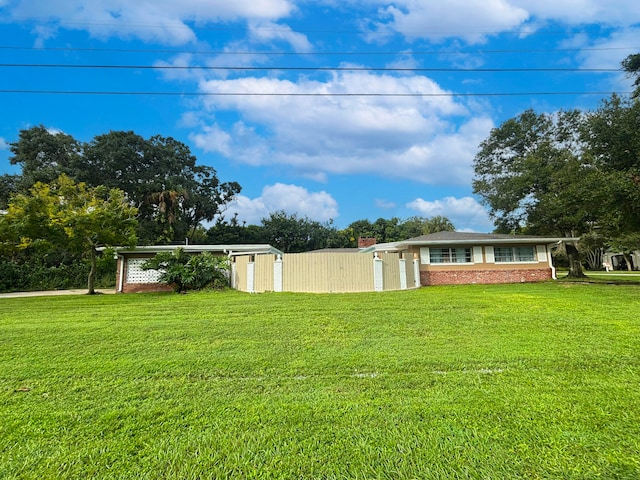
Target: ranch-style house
436 259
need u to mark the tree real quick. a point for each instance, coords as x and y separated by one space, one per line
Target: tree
160 176
8 187
44 155
80 218
631 65
532 174
292 234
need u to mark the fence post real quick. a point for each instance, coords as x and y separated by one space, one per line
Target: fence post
378 280
416 270
403 273
277 274
251 272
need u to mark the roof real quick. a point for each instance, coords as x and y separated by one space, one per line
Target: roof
231 250
467 238
336 250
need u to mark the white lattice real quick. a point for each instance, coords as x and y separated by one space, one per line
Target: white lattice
135 274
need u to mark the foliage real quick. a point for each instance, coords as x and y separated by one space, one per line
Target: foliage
530 173
395 229
290 233
631 65
55 269
159 176
572 173
509 381
8 188
190 272
71 216
44 155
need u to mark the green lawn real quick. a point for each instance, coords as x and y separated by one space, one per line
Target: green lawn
492 382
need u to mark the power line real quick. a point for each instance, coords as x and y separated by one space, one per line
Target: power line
311 53
220 67
286 94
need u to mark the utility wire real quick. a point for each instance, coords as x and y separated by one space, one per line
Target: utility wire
220 67
272 94
229 53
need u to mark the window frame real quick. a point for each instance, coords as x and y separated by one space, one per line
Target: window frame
468 255
514 254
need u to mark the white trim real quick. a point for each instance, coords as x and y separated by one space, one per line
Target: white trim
416 272
277 274
251 269
425 259
378 274
542 253
477 254
121 279
403 274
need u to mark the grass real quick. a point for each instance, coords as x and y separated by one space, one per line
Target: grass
616 277
492 382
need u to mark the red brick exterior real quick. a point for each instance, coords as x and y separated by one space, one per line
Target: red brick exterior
146 287
460 277
364 242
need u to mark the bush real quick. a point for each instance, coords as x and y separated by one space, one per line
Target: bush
54 270
190 272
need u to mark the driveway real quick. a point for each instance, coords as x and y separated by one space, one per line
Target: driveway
77 291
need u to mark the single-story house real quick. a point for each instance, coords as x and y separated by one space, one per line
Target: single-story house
462 257
435 259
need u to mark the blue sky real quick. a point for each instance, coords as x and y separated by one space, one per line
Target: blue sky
335 110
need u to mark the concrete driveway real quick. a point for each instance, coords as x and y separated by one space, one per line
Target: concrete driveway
78 291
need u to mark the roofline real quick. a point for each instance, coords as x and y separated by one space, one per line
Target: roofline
490 241
404 244
231 250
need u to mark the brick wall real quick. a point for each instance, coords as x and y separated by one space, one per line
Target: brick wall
484 276
146 287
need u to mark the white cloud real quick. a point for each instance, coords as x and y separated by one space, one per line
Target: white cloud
266 32
3 144
384 204
292 199
608 53
164 21
474 20
468 19
612 12
465 213
401 137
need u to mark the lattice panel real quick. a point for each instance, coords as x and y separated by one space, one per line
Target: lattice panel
135 274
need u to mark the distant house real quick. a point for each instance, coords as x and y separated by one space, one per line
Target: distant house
460 257
617 261
438 259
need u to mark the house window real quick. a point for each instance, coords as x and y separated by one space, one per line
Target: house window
514 254
450 255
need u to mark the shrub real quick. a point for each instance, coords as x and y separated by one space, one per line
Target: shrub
190 272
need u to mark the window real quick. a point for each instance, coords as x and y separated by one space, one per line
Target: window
450 255
514 254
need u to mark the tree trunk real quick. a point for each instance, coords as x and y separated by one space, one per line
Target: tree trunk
92 273
575 267
627 259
